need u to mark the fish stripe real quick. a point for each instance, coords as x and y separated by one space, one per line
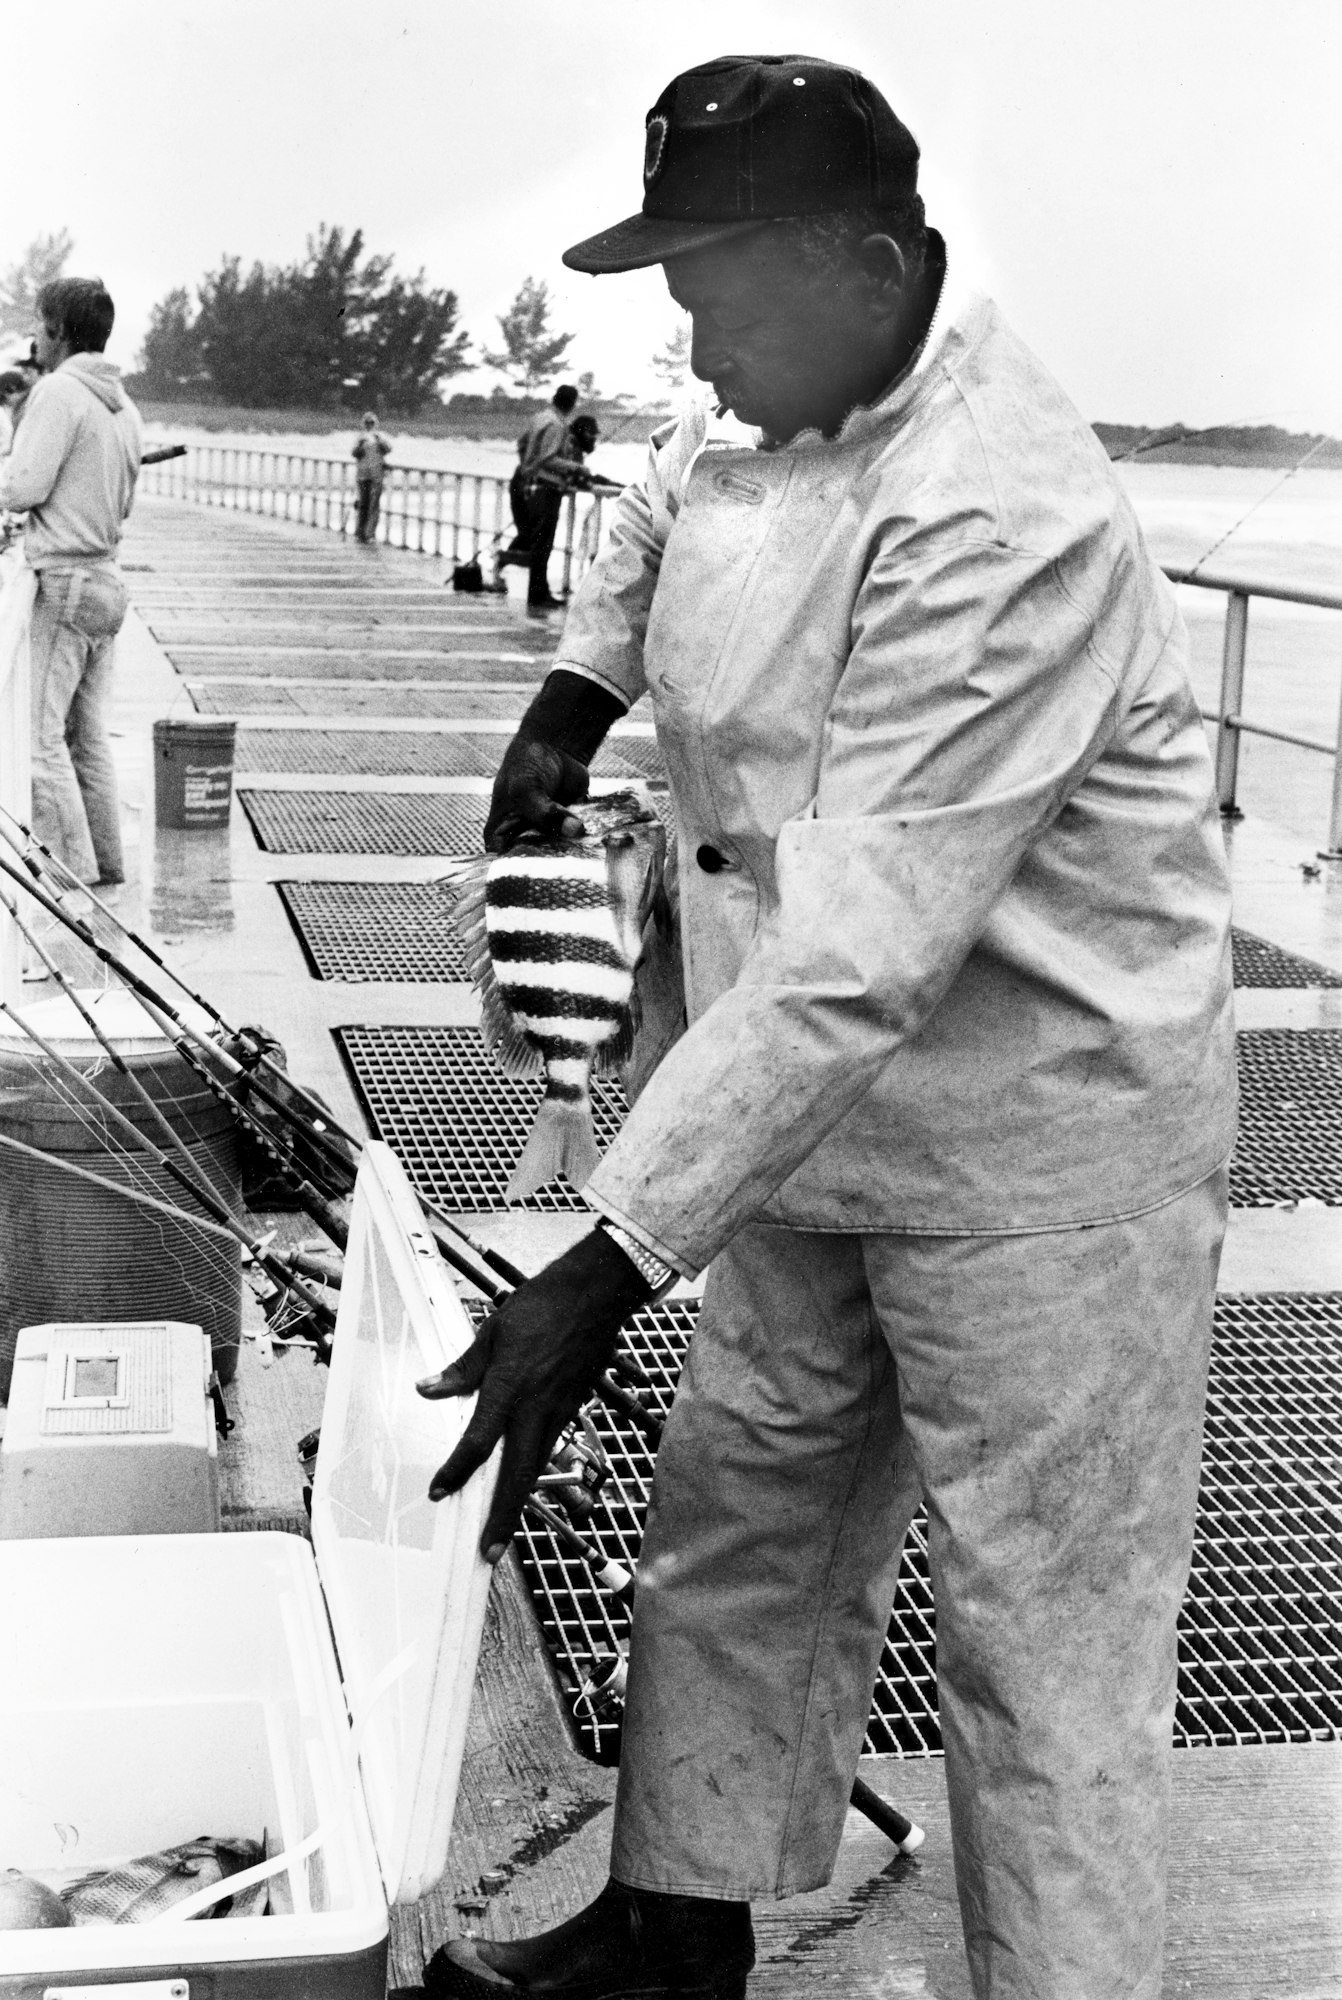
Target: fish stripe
555 948
567 1093
612 983
560 1048
526 892
548 1003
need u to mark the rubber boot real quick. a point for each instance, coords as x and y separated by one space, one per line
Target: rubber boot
628 1945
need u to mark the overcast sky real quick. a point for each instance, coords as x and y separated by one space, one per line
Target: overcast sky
1149 187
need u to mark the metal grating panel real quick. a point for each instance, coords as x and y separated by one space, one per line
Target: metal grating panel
374 930
641 754
236 663
436 1096
380 752
1290 1136
1258 963
450 823
227 697
618 757
366 822
1260 1641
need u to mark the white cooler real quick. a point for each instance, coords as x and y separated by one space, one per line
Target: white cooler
155 1689
110 1431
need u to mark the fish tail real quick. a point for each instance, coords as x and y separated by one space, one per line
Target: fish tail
562 1141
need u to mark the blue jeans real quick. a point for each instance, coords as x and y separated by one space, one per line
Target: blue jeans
76 810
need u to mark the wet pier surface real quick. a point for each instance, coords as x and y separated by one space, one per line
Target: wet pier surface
372 705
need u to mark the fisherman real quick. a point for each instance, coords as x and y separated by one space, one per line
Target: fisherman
543 445
73 469
370 454
949 1122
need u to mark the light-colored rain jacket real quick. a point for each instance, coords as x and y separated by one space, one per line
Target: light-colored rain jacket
968 966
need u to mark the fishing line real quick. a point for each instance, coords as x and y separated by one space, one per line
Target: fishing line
287 1280
315 1127
65 1166
1188 575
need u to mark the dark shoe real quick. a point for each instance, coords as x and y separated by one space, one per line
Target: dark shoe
628 1945
545 604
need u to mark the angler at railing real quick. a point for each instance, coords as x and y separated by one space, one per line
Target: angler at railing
1231 723
456 515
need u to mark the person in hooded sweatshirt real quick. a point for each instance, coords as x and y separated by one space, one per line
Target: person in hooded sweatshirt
73 470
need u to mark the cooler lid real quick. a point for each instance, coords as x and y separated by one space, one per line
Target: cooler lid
403 1578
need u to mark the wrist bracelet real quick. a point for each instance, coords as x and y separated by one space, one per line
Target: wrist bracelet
659 1275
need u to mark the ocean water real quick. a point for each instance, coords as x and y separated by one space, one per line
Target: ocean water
1269 529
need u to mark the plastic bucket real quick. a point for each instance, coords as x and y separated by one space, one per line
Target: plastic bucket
193 771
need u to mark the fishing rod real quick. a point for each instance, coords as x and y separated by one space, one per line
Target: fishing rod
316 1127
319 1310
85 1014
619 1583
322 1115
1221 540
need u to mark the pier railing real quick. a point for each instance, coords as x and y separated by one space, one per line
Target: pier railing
459 515
455 515
1231 722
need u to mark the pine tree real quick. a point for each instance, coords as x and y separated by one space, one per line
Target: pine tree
339 328
172 361
673 363
531 353
45 259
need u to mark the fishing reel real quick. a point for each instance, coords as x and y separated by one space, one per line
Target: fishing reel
602 1694
578 1469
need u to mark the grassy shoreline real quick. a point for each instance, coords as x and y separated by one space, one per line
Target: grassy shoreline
1265 447
477 425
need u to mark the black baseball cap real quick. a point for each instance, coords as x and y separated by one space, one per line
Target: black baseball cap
743 140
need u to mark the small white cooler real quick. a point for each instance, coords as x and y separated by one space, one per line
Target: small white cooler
110 1431
158 1688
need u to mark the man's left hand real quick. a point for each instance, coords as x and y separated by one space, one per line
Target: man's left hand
535 1361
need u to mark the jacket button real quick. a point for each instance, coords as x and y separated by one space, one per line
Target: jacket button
710 860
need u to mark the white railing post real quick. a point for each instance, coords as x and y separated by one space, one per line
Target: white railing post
1232 702
18 588
1333 851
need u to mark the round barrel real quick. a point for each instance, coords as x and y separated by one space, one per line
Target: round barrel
73 1251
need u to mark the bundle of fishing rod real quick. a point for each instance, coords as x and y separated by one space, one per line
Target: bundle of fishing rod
294 1153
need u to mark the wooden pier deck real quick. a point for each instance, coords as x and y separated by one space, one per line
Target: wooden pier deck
371 704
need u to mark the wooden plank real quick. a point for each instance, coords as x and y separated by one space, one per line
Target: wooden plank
532 1830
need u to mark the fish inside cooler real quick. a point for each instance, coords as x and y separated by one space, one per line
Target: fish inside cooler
170 1688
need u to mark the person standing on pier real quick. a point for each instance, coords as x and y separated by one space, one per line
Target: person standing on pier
544 444
949 1117
370 454
73 470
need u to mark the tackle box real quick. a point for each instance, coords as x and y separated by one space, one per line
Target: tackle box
154 1689
110 1431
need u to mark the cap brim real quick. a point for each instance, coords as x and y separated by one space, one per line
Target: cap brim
641 240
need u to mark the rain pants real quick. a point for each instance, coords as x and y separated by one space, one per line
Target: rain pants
948 1121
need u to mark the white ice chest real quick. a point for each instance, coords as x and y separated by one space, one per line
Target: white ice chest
156 1688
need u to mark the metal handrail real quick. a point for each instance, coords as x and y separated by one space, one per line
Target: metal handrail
445 514
424 509
1231 722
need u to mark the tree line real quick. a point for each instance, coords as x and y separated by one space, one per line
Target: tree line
339 328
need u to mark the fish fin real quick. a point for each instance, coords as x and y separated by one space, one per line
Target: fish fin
562 1141
503 1038
612 1056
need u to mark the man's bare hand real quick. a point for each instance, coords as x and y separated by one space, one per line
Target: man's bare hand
535 1361
535 784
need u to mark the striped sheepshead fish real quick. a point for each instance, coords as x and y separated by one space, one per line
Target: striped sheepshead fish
552 932
144 1889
